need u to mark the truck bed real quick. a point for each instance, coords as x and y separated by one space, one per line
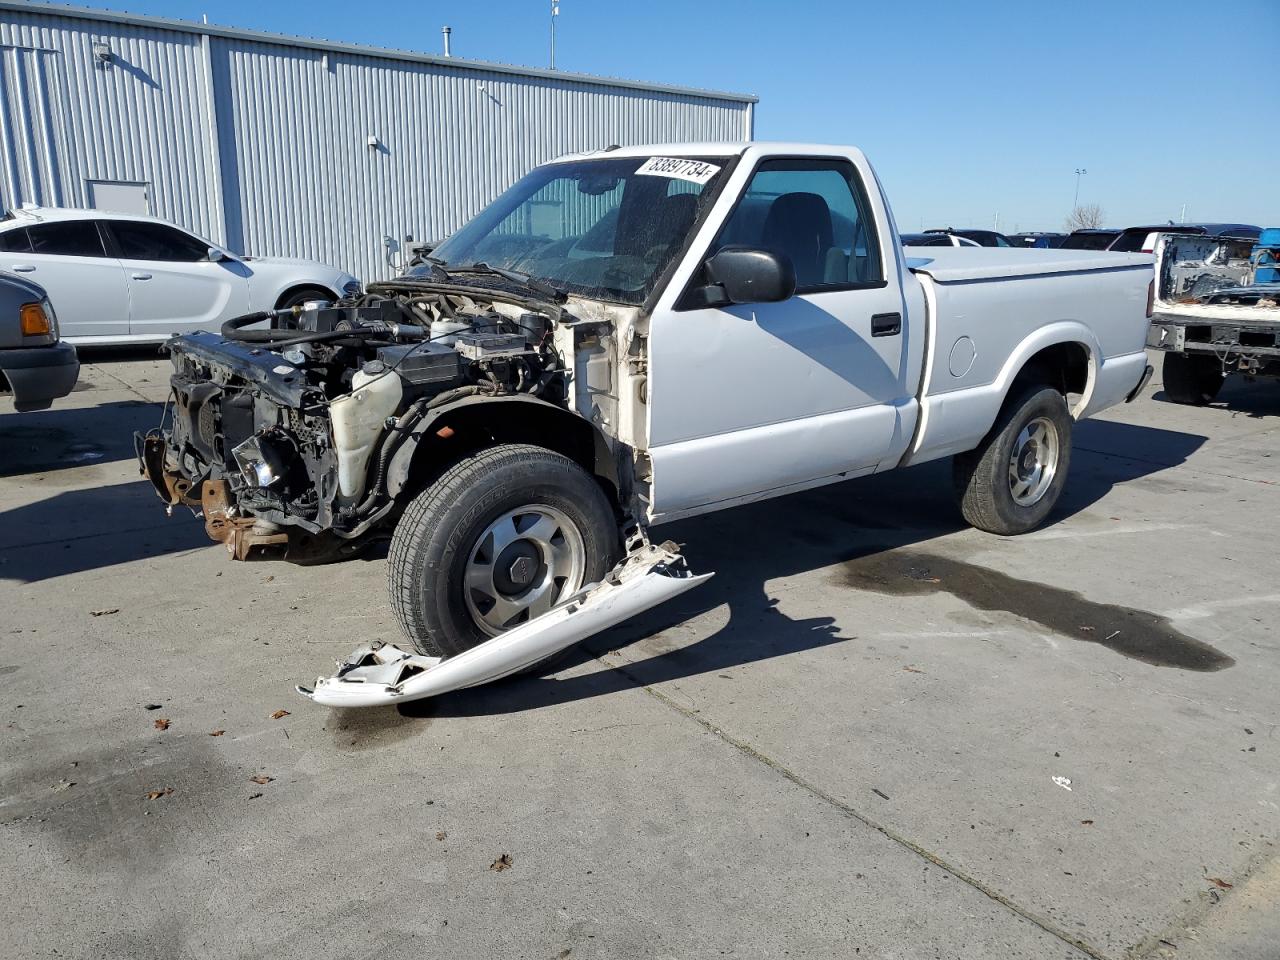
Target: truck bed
958 264
980 331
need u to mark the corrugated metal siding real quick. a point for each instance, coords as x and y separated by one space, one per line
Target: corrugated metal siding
135 120
263 145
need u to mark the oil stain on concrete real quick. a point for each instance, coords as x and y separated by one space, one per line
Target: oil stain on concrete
1138 634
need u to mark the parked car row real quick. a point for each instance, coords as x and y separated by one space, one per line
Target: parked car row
118 279
1140 239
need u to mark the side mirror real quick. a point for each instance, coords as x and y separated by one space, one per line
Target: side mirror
747 275
217 256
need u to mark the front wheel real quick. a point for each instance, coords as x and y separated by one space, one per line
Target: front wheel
1010 482
498 540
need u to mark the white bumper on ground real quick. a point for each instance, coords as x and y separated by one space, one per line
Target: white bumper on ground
384 674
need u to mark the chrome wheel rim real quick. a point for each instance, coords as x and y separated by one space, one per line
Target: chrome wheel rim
1034 461
521 566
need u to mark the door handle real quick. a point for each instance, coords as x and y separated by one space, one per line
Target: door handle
140 276
886 324
23 268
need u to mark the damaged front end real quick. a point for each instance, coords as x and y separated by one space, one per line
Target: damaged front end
284 437
382 675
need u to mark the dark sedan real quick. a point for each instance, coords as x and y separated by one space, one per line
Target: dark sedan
1038 239
1143 239
1089 238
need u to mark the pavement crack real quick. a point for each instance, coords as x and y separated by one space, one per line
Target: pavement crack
986 889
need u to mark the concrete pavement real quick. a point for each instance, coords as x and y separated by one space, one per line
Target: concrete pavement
856 740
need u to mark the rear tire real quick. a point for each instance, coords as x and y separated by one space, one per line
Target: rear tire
513 529
1012 480
1193 379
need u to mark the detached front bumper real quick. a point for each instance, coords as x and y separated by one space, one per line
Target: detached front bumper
39 375
385 675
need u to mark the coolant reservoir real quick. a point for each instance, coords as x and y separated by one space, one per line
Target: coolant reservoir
358 421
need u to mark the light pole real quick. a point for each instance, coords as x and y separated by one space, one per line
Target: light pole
1080 172
555 12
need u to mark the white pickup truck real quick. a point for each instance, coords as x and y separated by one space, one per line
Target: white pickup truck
624 338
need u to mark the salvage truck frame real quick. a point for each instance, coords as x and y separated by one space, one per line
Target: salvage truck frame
622 339
1209 317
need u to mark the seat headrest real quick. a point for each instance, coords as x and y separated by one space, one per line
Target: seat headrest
799 224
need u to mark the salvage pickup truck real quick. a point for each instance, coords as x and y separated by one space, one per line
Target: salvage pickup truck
621 339
1216 311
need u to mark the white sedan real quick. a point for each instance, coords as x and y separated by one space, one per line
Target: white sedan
128 279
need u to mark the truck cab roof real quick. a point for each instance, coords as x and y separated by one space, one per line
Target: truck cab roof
728 148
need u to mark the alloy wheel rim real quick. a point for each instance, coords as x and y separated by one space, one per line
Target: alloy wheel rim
524 563
1033 462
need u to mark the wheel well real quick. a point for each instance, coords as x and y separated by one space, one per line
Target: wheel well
1063 366
467 427
299 287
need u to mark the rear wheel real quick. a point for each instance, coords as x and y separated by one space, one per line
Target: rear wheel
498 540
1012 480
1191 378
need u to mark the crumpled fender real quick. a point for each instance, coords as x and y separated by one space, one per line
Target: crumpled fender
381 675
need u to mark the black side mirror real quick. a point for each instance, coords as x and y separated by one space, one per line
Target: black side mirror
747 275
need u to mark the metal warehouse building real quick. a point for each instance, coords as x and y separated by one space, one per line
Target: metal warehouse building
282 146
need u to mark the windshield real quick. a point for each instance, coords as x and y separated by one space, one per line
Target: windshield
604 229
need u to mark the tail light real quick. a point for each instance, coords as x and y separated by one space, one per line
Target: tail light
34 320
1151 299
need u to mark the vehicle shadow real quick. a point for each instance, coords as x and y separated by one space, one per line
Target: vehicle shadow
1254 398
67 437
121 353
67 465
89 529
752 546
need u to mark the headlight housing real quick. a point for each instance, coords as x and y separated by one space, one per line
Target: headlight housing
264 458
351 288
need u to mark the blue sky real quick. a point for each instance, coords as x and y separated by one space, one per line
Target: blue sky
967 110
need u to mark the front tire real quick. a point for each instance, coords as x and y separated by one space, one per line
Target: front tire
1193 379
1012 480
495 541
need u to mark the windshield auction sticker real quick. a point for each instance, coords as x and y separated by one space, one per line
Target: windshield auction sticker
695 171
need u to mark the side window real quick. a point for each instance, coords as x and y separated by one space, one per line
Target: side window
67 238
815 212
156 241
15 241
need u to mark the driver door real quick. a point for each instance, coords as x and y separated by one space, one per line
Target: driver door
751 400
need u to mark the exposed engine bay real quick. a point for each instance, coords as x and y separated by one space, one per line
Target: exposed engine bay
284 435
